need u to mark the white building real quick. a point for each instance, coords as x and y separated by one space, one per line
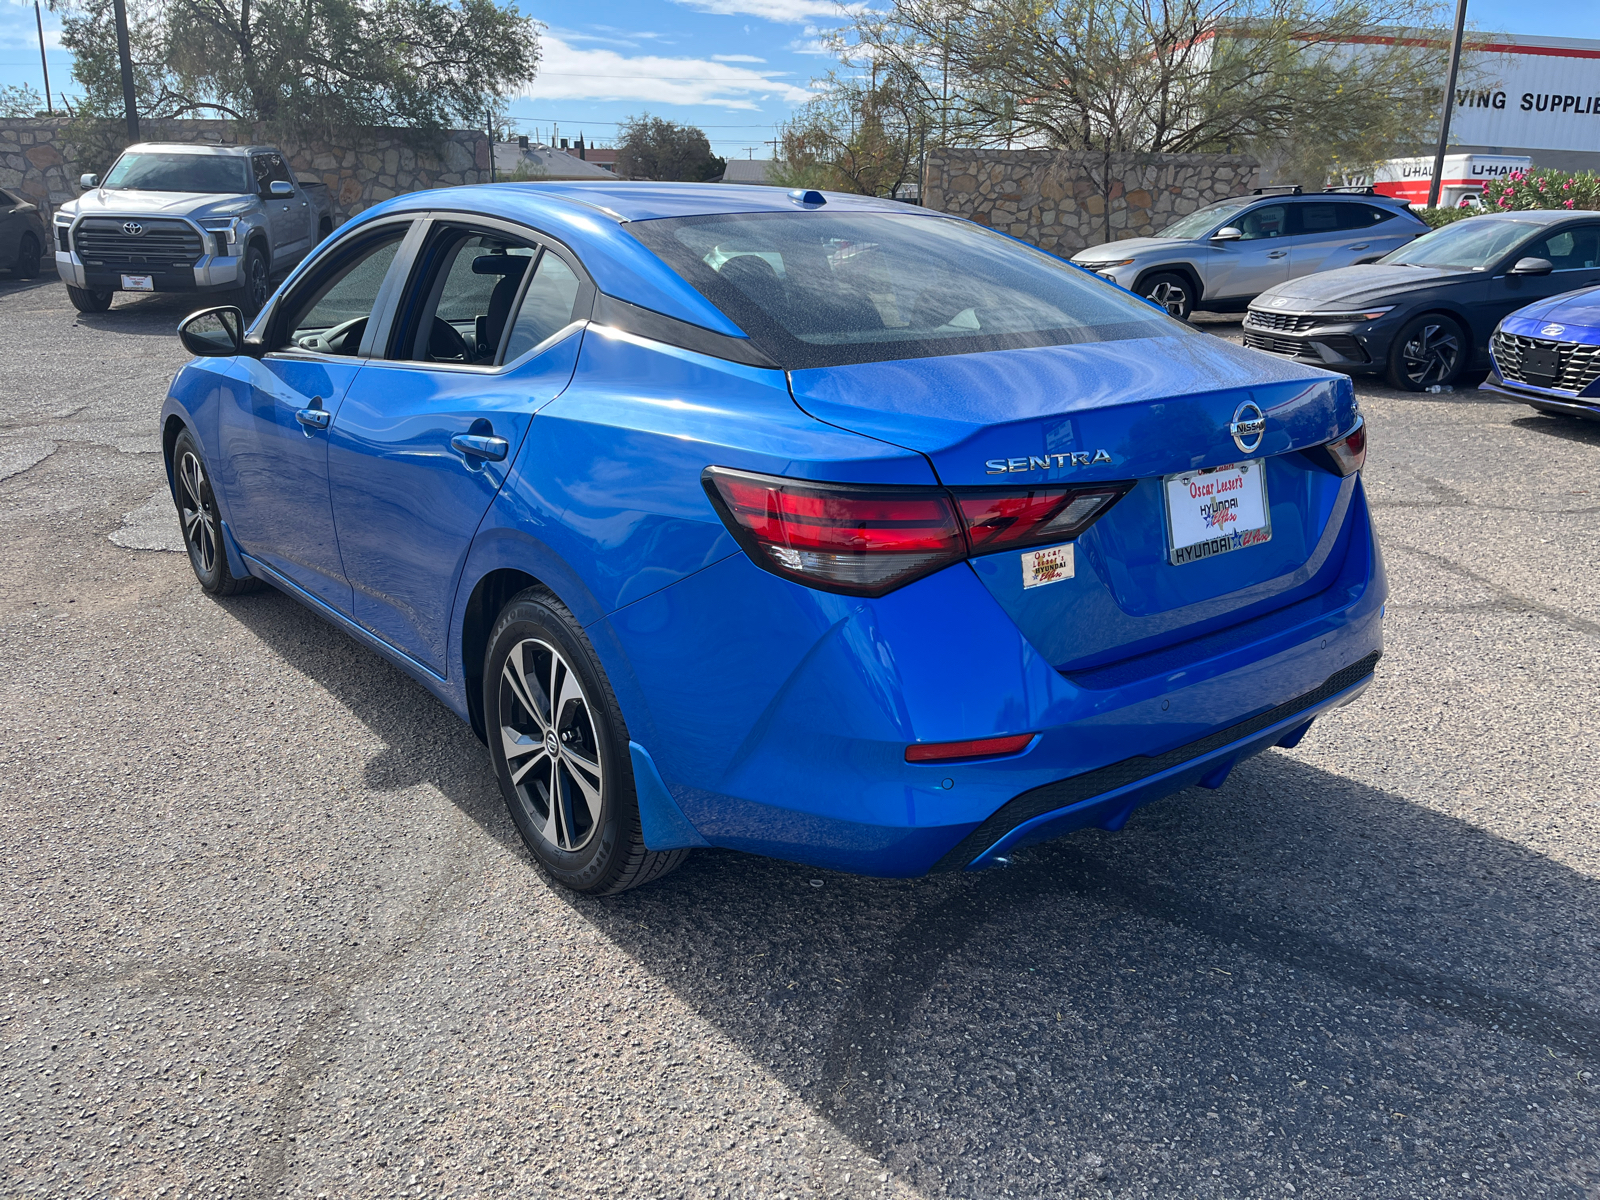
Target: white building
1538 97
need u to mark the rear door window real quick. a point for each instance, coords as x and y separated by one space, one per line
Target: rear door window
1318 218
548 306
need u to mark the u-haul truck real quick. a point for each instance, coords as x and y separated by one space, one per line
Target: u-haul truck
1463 178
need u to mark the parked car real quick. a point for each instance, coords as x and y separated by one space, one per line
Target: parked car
1548 355
181 218
1222 256
812 525
1423 315
22 236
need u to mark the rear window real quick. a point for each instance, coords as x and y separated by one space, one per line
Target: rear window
822 289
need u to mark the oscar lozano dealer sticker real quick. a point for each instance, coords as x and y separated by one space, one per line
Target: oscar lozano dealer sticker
1050 565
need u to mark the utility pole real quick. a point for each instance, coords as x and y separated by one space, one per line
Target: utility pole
44 63
1449 105
126 55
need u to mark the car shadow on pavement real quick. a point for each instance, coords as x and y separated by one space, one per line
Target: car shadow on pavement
1573 429
1299 976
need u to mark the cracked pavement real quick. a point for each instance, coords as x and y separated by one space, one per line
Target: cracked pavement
266 930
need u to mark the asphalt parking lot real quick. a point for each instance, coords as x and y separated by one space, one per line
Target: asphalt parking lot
266 930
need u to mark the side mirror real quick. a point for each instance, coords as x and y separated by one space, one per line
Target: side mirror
282 188
213 332
1228 233
87 181
1532 266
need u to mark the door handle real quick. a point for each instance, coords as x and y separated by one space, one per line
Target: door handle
476 445
1360 246
1277 253
314 416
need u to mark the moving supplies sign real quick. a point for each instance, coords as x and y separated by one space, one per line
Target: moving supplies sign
1534 95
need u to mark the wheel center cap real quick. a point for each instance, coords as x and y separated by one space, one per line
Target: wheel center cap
551 746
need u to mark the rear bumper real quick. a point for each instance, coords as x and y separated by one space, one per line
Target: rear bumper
779 717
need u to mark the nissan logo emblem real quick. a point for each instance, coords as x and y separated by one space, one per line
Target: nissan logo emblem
133 229
1248 427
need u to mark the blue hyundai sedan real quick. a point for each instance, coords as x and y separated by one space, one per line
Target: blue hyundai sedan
810 525
1548 355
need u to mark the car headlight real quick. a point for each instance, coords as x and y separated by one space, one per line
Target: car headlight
1366 314
1106 266
226 230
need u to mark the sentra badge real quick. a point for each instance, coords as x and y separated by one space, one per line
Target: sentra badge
1043 462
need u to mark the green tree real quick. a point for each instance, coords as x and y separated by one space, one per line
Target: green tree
1317 85
20 100
305 64
650 148
866 133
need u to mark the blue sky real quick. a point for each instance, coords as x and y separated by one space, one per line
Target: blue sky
734 67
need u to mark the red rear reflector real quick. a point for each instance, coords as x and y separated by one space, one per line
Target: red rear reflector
1344 455
955 751
868 540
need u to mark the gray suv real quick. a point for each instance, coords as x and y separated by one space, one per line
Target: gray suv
1222 256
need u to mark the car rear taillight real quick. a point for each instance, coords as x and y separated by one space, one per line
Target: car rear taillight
1346 454
866 541
995 747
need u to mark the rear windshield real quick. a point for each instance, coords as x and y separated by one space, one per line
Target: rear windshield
819 289
1475 244
180 173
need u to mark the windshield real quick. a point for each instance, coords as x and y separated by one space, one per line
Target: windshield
819 289
1473 243
1204 220
180 173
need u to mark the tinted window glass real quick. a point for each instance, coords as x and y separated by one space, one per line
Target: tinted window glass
269 170
819 289
1267 222
1569 250
1476 243
1361 216
329 313
546 308
6 198
471 284
1320 218
180 173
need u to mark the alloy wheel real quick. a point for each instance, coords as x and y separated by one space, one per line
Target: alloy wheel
547 731
195 512
1431 356
258 282
1170 296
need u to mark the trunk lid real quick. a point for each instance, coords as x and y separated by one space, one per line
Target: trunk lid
1123 410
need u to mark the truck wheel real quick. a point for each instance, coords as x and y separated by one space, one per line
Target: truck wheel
27 265
88 301
324 228
255 283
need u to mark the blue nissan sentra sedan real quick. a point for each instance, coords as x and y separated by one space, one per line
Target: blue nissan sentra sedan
810 525
1548 355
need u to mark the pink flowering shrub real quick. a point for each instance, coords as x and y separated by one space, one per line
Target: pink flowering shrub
1550 189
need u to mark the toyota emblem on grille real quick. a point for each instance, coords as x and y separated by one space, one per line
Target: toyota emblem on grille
1248 427
133 229
1553 330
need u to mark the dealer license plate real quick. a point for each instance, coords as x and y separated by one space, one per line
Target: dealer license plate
138 283
1215 511
1541 365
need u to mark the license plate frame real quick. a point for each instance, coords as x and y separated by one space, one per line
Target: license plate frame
138 283
1230 499
1541 366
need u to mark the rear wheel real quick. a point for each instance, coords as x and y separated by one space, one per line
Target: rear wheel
1171 291
202 527
85 300
1429 351
27 265
560 750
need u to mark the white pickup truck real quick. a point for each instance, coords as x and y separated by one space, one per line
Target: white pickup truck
172 217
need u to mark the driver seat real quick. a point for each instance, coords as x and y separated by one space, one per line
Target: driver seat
511 268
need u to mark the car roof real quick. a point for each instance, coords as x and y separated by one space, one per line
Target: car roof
591 219
1536 216
201 148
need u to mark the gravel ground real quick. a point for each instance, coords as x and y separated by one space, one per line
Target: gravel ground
267 930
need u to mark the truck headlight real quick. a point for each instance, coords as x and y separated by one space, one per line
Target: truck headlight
225 229
63 227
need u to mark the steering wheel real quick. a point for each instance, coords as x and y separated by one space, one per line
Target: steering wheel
445 343
343 338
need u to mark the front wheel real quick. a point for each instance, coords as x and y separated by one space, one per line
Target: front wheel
1430 351
560 750
1170 291
27 266
255 283
202 527
89 301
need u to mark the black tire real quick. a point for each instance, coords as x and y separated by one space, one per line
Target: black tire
1429 350
567 781
1171 291
255 284
88 301
324 228
202 527
27 264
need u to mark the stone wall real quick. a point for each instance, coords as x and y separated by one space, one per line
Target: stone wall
42 158
1066 200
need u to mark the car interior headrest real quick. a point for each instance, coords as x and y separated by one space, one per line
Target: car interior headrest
501 264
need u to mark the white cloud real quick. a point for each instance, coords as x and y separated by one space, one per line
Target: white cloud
736 58
567 72
789 12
